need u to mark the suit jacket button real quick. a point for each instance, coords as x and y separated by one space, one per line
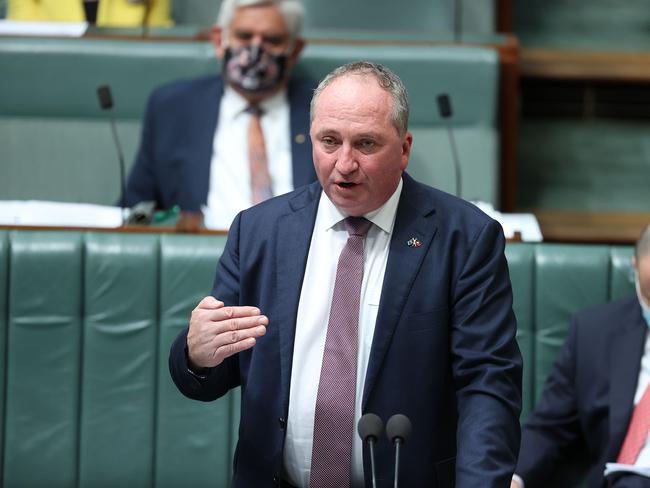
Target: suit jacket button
276 481
282 422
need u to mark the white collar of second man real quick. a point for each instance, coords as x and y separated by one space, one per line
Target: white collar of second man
383 217
233 104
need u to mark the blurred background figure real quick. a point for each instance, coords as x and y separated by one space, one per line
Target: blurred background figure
596 401
218 144
106 13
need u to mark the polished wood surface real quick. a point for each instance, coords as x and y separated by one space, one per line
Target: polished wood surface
591 227
585 65
558 226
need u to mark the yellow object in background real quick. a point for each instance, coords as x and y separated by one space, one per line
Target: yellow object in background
110 13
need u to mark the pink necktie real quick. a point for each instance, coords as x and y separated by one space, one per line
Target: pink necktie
261 185
334 417
637 431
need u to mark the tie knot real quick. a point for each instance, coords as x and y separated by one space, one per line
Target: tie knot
357 226
254 110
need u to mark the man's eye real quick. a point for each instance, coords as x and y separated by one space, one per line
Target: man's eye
243 36
328 141
367 144
274 40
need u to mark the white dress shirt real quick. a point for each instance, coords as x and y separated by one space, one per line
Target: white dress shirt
327 242
230 182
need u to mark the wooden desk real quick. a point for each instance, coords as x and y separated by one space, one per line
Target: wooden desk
591 227
556 64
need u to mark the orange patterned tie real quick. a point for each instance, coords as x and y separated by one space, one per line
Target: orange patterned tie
637 431
261 185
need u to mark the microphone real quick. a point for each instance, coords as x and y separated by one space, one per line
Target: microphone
106 103
398 429
369 428
458 20
445 111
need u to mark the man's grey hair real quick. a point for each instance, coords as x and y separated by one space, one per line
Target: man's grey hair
388 80
292 11
642 248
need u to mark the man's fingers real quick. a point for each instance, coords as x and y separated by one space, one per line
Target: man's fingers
209 302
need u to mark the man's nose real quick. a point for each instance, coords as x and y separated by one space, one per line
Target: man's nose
346 162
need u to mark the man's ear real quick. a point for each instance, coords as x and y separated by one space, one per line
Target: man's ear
298 46
216 34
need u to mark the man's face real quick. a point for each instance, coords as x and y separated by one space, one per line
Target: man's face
259 24
262 26
358 154
642 266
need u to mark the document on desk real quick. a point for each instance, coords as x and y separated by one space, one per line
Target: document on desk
58 214
525 224
49 29
617 468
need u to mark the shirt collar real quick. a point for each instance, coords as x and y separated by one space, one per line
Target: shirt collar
383 217
233 104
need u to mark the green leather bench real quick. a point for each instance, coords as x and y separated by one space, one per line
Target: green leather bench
57 145
86 320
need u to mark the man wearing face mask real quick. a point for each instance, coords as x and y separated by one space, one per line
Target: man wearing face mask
597 397
218 144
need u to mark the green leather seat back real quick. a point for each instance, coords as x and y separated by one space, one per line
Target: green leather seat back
4 277
521 263
622 274
118 381
57 143
432 17
55 132
470 75
192 437
568 278
43 364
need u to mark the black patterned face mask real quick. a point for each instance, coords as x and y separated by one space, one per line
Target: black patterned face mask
253 69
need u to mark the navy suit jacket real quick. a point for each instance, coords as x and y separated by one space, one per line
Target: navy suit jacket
443 352
589 396
173 162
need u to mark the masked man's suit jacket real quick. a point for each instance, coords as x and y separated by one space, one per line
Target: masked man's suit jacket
588 398
173 162
443 352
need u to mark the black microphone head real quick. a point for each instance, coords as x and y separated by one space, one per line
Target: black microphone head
398 427
370 425
105 98
444 105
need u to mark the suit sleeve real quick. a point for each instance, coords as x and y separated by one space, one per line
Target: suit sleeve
141 183
487 365
554 424
220 379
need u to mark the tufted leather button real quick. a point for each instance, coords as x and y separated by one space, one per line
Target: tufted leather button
283 423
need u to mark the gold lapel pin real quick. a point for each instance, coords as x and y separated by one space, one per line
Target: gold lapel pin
414 242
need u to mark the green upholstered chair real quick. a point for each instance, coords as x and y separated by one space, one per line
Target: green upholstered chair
57 143
86 321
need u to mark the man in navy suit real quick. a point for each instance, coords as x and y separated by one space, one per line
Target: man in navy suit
436 330
590 395
193 152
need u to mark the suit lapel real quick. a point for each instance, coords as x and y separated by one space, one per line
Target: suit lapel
205 113
627 349
415 219
294 231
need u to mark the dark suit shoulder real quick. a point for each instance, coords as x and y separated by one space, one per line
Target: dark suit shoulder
267 212
611 315
179 91
455 217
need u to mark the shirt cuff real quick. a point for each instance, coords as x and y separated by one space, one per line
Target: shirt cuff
518 479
